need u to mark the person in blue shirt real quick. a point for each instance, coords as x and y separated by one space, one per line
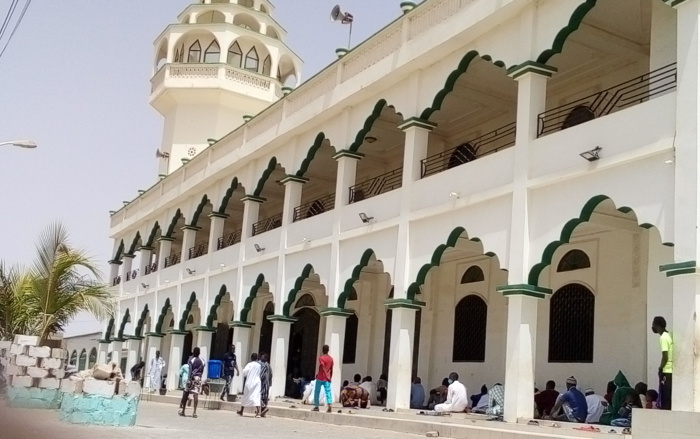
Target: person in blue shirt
230 367
572 405
417 394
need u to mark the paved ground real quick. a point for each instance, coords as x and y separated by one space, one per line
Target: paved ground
158 421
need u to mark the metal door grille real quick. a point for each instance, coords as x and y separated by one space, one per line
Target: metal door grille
469 343
571 325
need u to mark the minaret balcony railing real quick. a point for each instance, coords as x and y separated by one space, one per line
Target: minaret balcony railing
225 73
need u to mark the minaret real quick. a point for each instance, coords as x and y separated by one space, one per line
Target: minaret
224 60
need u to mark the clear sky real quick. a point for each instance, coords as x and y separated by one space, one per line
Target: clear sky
75 79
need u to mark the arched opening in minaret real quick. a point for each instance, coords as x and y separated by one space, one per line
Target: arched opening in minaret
287 72
231 208
162 54
210 17
249 54
193 47
272 33
247 22
318 193
246 3
270 213
263 9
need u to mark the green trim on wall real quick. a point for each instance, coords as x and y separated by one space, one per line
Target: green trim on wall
524 290
318 142
349 288
531 67
217 301
238 324
118 254
152 235
253 198
134 243
217 215
417 122
165 238
346 153
574 22
265 175
674 3
294 178
138 331
247 305
134 337
198 211
292 296
126 319
328 312
186 313
177 332
173 223
452 80
278 318
190 227
228 195
159 324
107 336
369 123
204 329
679 268
154 334
404 303
115 262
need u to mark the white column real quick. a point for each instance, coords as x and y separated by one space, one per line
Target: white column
114 270
127 267
189 237
132 357
117 346
292 197
217 230
335 339
403 321
164 251
347 168
146 254
241 340
251 211
417 133
521 343
102 349
154 341
281 329
177 344
203 342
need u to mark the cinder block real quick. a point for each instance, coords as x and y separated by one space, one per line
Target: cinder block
25 360
58 373
50 383
26 340
37 372
18 349
99 388
40 351
59 353
122 387
14 370
72 386
5 344
51 363
22 381
133 388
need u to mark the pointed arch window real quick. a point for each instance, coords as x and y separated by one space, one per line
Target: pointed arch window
92 360
74 358
571 325
279 75
194 54
213 53
177 55
267 66
574 260
252 60
235 55
473 274
306 300
350 346
82 361
469 342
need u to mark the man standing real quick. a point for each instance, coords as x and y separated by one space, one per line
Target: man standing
155 371
265 383
230 368
457 399
251 385
194 383
323 379
658 326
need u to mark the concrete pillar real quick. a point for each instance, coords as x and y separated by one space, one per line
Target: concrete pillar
132 356
217 230
189 237
146 255
102 349
165 244
117 346
251 211
401 355
281 329
114 270
335 339
241 340
347 168
177 344
203 342
293 186
417 133
154 341
127 266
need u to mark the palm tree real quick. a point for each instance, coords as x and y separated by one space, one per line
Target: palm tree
62 282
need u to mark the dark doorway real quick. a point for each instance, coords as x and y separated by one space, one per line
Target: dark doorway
303 345
219 341
265 344
187 347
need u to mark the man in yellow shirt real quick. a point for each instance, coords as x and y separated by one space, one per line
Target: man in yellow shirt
658 326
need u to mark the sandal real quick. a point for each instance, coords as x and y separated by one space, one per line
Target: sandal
626 430
613 431
194 416
588 428
181 413
555 425
533 423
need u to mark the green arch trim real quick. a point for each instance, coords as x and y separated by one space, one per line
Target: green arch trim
265 175
135 242
198 212
159 325
369 123
126 319
217 301
452 80
120 251
228 195
248 304
311 154
349 288
109 331
173 223
436 259
566 232
292 296
152 236
138 331
574 22
186 313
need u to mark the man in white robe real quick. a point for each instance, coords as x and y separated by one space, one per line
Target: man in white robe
251 386
457 399
308 397
155 371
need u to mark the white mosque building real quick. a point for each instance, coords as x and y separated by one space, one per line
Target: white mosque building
505 189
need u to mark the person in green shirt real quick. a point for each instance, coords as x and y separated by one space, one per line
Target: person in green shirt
658 326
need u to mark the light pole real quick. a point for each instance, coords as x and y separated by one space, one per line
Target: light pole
29 144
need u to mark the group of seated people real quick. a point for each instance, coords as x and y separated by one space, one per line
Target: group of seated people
452 397
363 392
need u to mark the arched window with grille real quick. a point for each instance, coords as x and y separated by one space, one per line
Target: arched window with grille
473 274
82 361
235 55
74 358
92 360
194 54
252 60
350 346
571 325
306 300
574 260
267 66
213 53
469 342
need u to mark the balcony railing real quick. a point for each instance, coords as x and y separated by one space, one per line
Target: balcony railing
214 71
133 274
229 240
116 281
267 224
173 259
496 140
624 95
377 185
314 208
151 268
198 250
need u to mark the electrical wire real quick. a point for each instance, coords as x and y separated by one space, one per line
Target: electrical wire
8 17
19 21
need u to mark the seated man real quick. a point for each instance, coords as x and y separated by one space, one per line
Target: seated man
371 387
457 399
546 399
571 406
476 398
596 406
355 396
438 395
496 400
417 394
357 379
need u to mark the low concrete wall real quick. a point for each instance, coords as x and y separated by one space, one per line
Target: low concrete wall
117 411
34 398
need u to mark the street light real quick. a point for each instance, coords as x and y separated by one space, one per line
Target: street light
29 144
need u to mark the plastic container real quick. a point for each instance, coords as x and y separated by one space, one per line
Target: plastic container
215 369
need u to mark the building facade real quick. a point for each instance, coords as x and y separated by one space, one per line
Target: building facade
505 189
82 350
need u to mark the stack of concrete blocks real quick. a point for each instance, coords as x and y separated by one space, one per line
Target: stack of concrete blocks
91 401
33 373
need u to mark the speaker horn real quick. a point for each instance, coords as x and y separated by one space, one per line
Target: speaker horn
162 155
338 15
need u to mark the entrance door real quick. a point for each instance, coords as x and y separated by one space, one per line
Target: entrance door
303 345
265 344
187 347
